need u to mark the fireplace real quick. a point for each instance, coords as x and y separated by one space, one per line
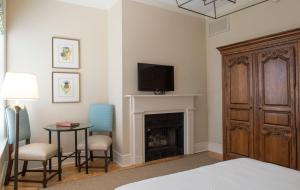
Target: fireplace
164 135
142 106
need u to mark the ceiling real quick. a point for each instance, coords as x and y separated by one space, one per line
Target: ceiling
106 4
169 4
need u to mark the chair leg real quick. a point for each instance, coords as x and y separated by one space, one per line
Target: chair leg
105 160
8 171
79 160
24 170
92 156
45 174
111 153
50 165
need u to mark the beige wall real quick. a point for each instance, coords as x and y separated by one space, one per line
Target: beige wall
254 22
107 74
158 36
31 25
112 42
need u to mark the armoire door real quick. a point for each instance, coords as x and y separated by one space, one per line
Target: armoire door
238 77
276 106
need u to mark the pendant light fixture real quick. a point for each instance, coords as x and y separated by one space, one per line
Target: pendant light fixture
217 8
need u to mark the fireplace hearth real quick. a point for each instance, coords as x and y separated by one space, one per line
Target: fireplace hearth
164 135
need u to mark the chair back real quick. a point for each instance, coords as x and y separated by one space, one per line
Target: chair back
101 117
24 126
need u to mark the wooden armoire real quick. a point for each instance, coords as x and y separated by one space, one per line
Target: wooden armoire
261 95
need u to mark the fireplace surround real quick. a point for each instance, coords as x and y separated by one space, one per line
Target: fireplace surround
142 105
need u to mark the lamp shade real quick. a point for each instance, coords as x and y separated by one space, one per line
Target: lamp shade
19 86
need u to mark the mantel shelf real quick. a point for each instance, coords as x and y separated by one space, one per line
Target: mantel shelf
159 96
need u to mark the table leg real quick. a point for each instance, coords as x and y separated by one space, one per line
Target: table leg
59 156
86 151
76 158
50 161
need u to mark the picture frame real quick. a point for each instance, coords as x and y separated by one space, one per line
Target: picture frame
65 53
65 87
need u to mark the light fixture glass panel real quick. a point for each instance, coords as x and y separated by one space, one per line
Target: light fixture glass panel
217 8
180 2
198 6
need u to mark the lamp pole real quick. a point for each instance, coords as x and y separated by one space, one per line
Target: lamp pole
16 167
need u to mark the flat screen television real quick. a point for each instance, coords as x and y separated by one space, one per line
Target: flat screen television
156 78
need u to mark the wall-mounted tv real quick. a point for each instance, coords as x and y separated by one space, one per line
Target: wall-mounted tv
156 78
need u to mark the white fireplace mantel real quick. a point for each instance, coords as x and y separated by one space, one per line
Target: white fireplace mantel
141 105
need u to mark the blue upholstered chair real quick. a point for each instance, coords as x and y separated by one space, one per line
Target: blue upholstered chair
101 118
28 152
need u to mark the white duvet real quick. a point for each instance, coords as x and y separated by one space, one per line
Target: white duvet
239 174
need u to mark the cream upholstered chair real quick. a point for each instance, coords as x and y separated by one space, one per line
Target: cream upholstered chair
30 151
101 120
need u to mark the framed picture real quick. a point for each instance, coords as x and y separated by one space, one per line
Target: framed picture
65 87
65 53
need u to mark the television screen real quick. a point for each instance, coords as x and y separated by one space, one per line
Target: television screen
155 77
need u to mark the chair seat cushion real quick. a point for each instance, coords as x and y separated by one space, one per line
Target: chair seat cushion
96 142
36 152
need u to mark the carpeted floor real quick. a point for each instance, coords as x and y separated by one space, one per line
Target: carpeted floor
112 180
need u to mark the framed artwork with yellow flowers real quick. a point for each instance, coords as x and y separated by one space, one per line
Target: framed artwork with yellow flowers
65 53
65 87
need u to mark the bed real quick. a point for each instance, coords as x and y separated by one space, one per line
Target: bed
238 174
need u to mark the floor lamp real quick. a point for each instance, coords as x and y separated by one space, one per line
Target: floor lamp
18 86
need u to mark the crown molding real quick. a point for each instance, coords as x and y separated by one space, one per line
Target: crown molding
108 4
98 4
168 7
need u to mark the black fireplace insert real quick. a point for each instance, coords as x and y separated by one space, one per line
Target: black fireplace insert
163 135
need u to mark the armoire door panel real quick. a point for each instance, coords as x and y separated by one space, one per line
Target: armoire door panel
239 101
275 108
239 83
239 140
274 118
276 105
239 115
275 87
273 154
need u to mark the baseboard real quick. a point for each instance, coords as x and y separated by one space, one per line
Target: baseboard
208 146
215 147
200 147
122 160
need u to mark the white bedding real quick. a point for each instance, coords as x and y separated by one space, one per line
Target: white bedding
239 174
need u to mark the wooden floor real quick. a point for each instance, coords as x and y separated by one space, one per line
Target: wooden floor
70 173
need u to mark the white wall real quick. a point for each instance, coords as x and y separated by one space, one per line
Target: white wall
2 72
115 69
159 36
264 19
31 25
